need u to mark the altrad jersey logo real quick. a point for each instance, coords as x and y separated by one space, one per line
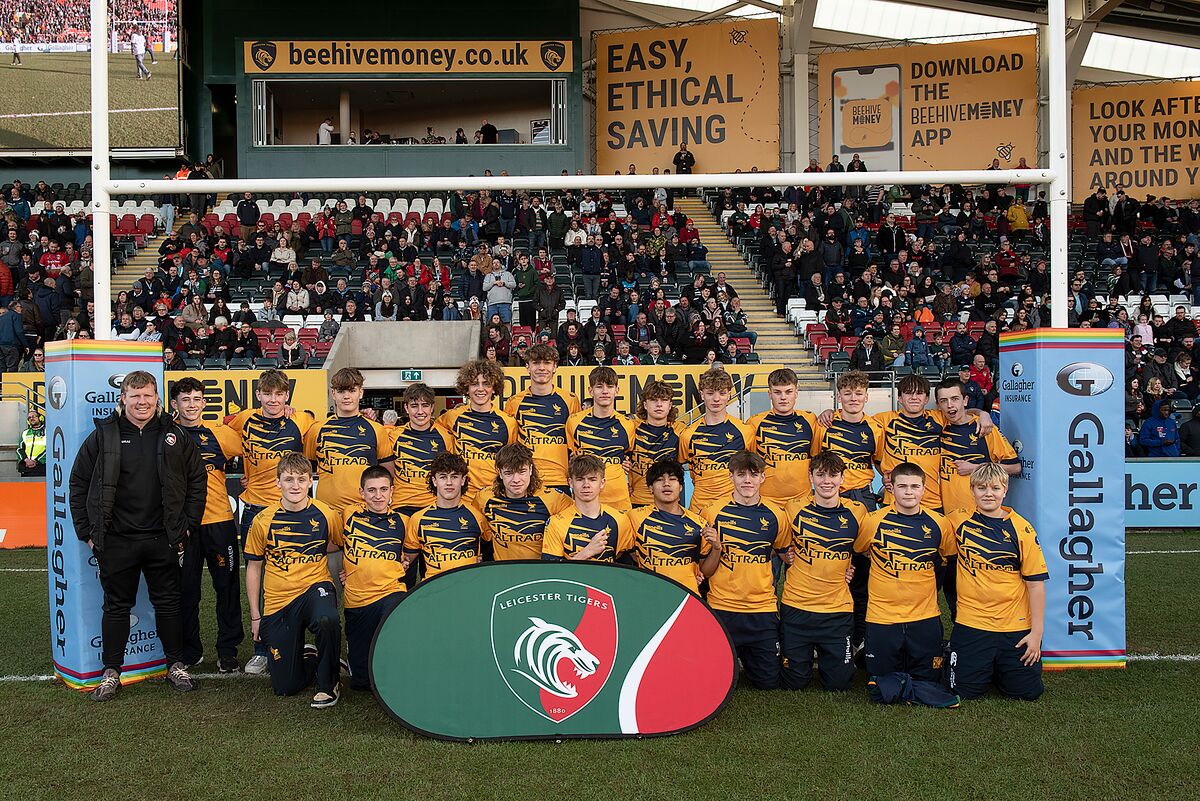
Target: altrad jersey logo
555 644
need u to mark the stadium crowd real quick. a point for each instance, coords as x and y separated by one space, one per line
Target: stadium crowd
69 21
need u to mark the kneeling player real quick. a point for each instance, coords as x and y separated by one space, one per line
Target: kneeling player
373 568
745 531
450 532
516 506
668 538
286 558
997 637
905 543
817 610
588 530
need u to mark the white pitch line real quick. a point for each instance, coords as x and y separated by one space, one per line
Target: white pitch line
1155 657
1140 553
75 113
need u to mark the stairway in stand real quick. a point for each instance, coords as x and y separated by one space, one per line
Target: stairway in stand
124 277
777 340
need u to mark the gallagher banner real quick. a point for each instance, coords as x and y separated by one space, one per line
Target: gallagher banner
1144 137
1064 412
551 650
713 87
950 106
83 384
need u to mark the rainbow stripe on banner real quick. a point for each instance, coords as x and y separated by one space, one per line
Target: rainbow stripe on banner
1064 338
1083 660
130 674
93 350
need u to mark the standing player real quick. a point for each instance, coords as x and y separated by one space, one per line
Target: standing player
745 531
517 507
216 543
601 432
817 611
479 431
373 567
286 561
905 542
997 636
786 439
449 533
655 437
19 21
267 434
707 445
137 46
541 413
345 444
588 530
414 447
668 539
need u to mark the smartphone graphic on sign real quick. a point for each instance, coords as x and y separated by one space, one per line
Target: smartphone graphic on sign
867 114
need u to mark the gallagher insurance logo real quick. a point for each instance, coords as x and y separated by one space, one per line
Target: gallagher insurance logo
1084 379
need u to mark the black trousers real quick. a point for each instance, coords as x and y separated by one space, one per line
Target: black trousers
801 632
315 611
249 512
361 624
914 648
216 545
862 568
122 563
755 637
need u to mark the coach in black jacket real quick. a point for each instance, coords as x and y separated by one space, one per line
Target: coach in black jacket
137 490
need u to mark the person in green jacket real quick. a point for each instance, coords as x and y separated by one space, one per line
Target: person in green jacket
31 452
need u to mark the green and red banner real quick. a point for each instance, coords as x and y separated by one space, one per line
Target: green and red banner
551 650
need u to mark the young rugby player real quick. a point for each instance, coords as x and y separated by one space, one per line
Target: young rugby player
449 533
588 530
517 507
668 539
601 432
541 413
786 439
478 429
707 445
414 447
655 437
346 444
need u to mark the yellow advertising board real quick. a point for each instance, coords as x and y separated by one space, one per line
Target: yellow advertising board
225 391
328 56
713 86
683 377
949 106
1144 137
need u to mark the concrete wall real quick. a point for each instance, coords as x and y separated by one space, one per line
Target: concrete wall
392 347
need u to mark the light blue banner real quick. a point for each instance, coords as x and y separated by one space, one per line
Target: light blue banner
1162 493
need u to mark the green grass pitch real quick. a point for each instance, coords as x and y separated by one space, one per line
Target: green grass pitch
49 83
1094 735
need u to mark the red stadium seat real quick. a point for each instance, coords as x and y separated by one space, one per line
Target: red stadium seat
356 227
267 219
285 220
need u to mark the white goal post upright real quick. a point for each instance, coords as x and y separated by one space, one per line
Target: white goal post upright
1055 174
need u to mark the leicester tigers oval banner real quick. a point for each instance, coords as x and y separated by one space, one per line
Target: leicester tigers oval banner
551 650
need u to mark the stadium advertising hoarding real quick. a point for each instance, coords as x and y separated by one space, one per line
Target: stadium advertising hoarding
1144 137
551 650
1064 412
391 57
713 87
950 106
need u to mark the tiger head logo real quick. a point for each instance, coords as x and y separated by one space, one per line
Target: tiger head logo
541 648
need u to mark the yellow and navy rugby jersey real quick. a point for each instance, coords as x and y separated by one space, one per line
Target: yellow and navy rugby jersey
448 538
542 427
749 535
823 539
477 437
962 441
217 445
264 440
569 532
518 524
611 439
343 447
374 551
668 544
413 451
917 440
857 444
706 450
651 444
904 551
786 442
996 556
293 546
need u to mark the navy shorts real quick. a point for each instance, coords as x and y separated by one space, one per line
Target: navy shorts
755 637
914 648
828 633
979 659
284 633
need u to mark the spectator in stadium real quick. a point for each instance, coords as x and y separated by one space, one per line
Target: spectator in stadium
498 286
1159 433
867 356
292 353
549 301
1189 435
245 345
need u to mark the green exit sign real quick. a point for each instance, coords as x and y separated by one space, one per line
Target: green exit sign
410 375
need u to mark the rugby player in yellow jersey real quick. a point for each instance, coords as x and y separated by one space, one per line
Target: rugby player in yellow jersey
373 568
668 539
905 542
785 438
604 433
414 446
997 636
517 507
216 543
478 429
450 532
267 433
655 437
286 561
588 530
746 530
817 612
707 445
541 413
346 444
